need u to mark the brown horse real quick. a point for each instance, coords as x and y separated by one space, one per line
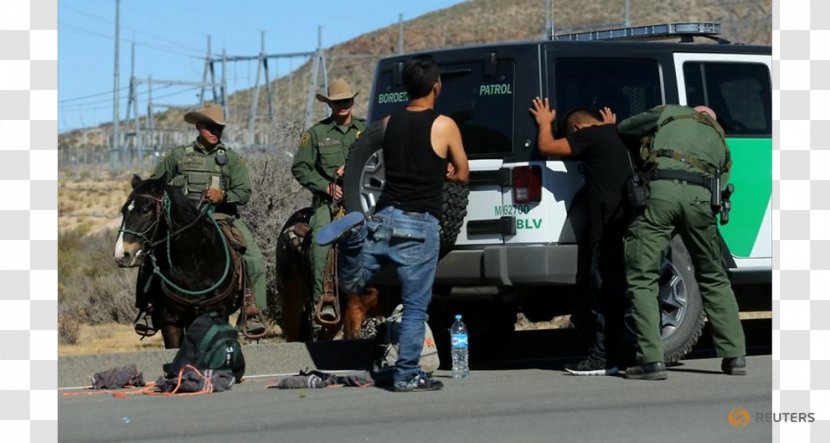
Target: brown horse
294 285
187 266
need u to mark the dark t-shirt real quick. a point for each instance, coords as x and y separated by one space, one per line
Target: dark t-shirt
605 161
414 172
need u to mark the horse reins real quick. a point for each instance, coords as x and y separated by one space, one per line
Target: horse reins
163 207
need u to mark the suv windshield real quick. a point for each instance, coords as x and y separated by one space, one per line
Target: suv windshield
481 104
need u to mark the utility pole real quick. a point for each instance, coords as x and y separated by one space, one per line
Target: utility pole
208 71
627 13
318 69
133 102
115 145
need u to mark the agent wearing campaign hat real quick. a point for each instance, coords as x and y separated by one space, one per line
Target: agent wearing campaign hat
206 170
318 166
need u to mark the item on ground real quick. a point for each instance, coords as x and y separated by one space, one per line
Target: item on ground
209 343
386 349
119 377
314 379
460 348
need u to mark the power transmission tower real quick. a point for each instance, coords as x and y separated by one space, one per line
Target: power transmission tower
318 68
208 71
115 146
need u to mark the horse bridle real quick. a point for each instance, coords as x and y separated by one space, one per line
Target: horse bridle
163 207
147 243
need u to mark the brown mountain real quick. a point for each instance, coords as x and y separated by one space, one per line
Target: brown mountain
471 22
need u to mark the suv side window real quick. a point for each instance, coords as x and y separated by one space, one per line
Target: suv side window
738 92
628 86
481 104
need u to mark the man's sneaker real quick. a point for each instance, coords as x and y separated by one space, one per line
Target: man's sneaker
591 366
337 228
650 371
421 382
734 366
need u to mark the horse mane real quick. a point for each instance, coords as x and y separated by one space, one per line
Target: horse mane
181 208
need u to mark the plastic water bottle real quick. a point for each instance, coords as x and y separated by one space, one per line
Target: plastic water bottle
460 348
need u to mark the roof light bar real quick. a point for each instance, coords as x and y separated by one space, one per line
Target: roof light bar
683 30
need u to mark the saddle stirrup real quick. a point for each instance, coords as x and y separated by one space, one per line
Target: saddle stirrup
331 293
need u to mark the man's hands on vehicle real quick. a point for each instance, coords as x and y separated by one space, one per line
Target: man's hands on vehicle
608 116
542 112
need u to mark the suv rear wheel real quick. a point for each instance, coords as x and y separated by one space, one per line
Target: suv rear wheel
681 307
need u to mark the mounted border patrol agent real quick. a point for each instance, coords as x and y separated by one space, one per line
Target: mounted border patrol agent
318 166
207 170
688 162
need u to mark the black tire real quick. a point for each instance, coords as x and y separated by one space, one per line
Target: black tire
681 306
365 176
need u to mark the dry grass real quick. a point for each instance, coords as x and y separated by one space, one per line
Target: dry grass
90 203
114 337
109 338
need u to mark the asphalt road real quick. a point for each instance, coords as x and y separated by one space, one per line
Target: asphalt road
521 405
522 397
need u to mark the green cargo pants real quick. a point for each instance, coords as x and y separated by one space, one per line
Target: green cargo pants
319 254
686 209
254 263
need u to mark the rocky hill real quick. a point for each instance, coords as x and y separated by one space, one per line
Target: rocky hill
471 22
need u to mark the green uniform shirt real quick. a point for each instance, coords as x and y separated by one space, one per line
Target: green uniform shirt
684 135
323 148
191 168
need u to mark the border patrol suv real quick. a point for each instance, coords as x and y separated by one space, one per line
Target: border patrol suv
518 240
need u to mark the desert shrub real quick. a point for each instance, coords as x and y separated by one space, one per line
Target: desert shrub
91 287
69 327
276 195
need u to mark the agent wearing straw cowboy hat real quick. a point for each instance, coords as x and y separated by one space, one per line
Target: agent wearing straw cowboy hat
206 169
318 166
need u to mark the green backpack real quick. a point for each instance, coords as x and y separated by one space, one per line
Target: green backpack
209 343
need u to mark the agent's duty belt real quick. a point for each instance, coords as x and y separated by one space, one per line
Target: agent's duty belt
688 177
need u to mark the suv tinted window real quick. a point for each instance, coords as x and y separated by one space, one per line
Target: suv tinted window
481 105
738 92
627 86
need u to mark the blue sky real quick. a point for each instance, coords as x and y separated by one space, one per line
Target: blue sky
171 41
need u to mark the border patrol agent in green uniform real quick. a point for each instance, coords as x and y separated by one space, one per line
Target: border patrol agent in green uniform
688 151
318 166
208 168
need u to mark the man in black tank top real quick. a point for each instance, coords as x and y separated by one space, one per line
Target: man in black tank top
404 231
599 308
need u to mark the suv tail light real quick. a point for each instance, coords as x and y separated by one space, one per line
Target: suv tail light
527 184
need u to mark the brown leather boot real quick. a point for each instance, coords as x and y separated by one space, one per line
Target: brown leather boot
253 325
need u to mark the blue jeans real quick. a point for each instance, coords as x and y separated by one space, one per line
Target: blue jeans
410 241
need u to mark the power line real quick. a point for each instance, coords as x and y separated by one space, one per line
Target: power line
109 21
98 94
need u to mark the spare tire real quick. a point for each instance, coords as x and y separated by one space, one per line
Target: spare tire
365 176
